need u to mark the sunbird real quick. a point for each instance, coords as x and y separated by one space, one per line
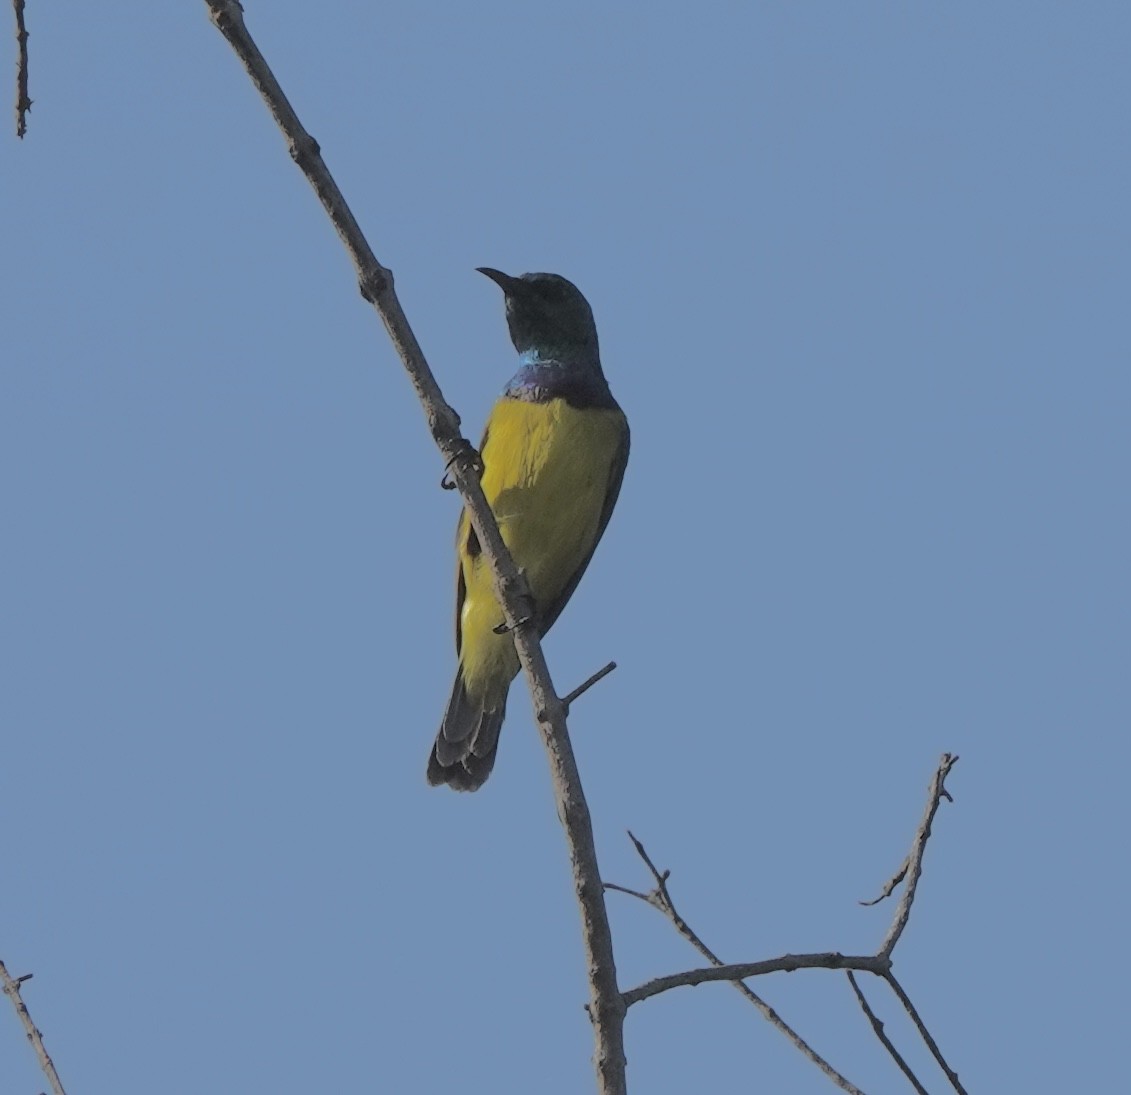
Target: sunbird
553 456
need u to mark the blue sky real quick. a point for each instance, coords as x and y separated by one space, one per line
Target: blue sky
861 276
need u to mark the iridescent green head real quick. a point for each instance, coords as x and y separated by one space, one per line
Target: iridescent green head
548 317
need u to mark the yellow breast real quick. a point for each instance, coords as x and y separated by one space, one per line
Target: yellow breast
546 475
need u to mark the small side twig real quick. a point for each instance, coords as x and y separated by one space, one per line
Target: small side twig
912 867
23 103
925 1034
11 989
584 687
878 1028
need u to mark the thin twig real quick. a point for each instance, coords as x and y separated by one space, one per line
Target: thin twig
913 866
584 687
376 282
878 1028
925 1034
23 103
661 899
11 988
890 885
787 963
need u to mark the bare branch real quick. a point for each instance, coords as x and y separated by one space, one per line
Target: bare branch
376 282
878 1028
879 964
913 865
23 103
660 899
11 988
905 1000
787 963
584 687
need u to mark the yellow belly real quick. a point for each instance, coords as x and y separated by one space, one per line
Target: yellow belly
546 475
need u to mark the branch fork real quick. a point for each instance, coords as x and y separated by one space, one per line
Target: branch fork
878 964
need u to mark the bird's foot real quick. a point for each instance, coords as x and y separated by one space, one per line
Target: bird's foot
504 628
464 451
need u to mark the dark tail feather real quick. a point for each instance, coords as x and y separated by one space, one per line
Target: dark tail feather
464 752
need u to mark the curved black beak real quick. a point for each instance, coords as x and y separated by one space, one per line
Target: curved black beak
505 282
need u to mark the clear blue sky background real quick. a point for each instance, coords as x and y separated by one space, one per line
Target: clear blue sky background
861 273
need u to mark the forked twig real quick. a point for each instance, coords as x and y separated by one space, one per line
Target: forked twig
878 964
912 867
660 898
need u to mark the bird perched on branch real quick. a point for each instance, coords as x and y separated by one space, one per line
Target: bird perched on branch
553 455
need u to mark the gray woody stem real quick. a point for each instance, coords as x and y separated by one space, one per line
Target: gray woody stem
606 1008
11 988
23 103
